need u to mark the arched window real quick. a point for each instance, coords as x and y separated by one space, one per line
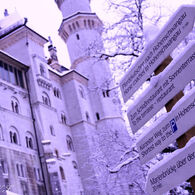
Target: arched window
42 70
14 136
69 142
63 118
56 92
29 140
46 99
15 105
62 173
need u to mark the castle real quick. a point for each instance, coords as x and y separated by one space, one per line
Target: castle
61 129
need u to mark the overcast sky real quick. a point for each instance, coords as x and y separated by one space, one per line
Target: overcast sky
45 18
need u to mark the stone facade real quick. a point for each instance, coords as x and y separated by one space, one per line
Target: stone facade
60 129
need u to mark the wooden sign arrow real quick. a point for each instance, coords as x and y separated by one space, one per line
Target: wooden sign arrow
180 24
163 88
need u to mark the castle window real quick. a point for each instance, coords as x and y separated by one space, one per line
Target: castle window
24 188
14 136
56 92
77 35
77 23
85 23
15 105
29 140
56 153
73 25
70 28
93 23
89 23
74 164
42 70
62 173
63 118
20 170
4 166
52 130
81 91
46 99
69 142
11 74
106 93
87 116
97 116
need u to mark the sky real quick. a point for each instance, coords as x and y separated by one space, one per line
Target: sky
45 18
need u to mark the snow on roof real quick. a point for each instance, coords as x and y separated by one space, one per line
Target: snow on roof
11 22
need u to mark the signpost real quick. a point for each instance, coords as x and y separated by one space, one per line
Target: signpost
168 128
163 88
171 35
178 167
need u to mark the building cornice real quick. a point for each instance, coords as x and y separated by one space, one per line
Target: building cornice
79 21
73 75
20 33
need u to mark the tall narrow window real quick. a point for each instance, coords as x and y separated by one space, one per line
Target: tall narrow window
15 105
63 118
52 130
42 70
77 35
69 142
62 173
87 116
46 99
81 91
97 116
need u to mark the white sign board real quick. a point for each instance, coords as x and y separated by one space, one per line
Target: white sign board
180 24
163 88
168 128
174 170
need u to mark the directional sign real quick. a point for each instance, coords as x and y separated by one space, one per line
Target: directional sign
163 88
178 167
168 128
171 35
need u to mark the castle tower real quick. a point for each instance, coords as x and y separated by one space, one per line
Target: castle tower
81 31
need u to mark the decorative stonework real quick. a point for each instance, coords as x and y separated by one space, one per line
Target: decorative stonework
21 33
43 83
80 21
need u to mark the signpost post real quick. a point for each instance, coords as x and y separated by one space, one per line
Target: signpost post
165 90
